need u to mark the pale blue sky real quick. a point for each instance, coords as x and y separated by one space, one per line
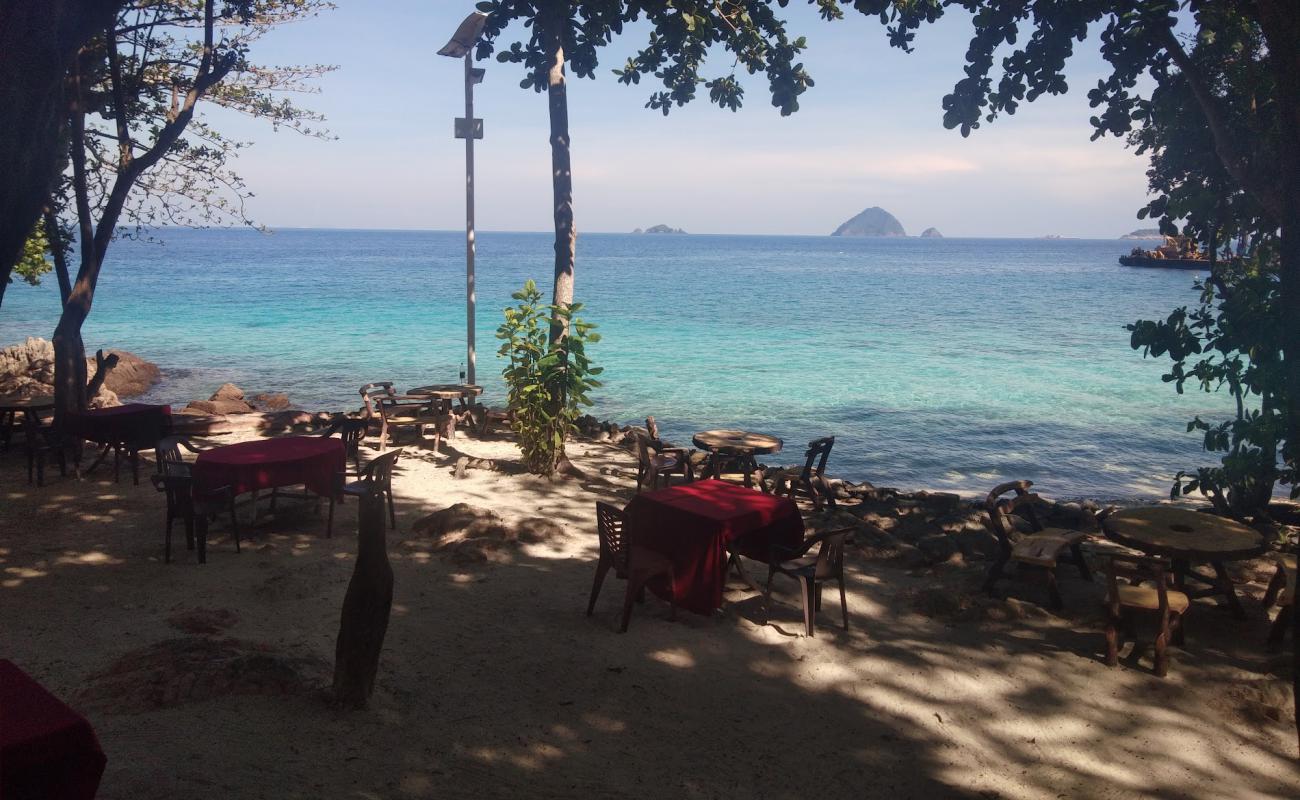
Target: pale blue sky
869 133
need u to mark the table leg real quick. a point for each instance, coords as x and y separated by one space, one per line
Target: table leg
1181 567
1227 590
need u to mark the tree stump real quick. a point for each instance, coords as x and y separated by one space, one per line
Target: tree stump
366 608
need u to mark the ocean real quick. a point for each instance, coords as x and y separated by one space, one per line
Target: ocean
939 363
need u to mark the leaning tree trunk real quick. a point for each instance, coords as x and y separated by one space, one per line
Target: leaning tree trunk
555 23
70 394
366 607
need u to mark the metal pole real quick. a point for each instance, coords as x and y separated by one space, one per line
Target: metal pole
469 217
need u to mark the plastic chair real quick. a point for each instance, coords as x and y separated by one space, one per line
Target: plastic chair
376 477
811 572
809 479
633 563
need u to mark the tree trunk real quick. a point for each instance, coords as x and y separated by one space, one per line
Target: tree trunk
70 358
555 22
366 607
38 41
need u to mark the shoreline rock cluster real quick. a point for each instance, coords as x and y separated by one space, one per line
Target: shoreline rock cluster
27 370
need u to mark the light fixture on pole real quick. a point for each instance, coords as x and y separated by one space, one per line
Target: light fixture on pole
468 128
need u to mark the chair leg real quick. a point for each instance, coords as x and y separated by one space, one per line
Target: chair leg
1053 591
995 574
1275 587
1176 630
1162 656
844 604
329 523
201 536
807 588
817 596
767 596
1112 641
392 511
602 567
1281 623
167 538
628 598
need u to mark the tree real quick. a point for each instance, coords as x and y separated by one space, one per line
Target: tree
1141 38
38 41
568 34
138 151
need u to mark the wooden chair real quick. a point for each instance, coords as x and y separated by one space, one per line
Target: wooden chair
635 564
351 430
174 480
1039 551
653 463
394 411
808 480
41 440
376 477
811 572
1123 600
1281 590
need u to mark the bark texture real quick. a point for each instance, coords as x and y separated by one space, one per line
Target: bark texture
555 22
366 607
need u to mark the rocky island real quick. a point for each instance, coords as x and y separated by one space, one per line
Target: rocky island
874 221
660 229
931 233
1144 233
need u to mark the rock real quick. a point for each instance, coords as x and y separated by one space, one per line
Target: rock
931 233
228 391
462 519
218 407
538 529
271 401
938 547
27 370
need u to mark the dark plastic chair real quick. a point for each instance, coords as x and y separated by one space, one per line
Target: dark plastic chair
632 563
653 463
174 480
811 572
1123 599
41 440
808 480
351 430
376 477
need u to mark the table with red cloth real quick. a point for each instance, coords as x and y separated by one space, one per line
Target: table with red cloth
138 424
694 523
312 461
47 750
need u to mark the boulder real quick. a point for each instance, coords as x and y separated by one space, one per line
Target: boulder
218 407
27 370
937 548
462 521
271 401
228 391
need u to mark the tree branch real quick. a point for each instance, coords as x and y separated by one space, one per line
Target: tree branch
119 100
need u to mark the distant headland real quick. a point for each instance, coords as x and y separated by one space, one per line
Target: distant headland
874 221
931 233
659 229
1144 233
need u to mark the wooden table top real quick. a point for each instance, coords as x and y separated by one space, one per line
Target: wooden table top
38 402
736 441
447 391
1180 533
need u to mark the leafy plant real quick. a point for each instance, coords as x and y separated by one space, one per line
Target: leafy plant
1232 340
547 381
32 264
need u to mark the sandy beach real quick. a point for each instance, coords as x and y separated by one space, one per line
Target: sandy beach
207 680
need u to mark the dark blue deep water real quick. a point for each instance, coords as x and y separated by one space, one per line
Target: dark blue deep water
946 363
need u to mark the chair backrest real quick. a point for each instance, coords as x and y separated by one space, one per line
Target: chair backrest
167 454
830 557
1137 569
815 457
652 428
611 525
350 429
379 472
643 449
1002 508
374 394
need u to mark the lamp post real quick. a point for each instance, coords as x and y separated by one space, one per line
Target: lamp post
468 128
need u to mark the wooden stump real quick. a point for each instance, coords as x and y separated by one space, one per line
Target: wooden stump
366 608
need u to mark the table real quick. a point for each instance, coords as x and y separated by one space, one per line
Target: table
445 393
1187 538
312 461
740 446
12 405
124 429
694 523
47 750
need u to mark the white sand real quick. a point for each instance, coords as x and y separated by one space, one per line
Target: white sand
493 683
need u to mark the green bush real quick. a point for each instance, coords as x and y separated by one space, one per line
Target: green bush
547 382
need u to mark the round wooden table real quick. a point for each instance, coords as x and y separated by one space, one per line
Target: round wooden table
444 393
726 444
1187 538
12 405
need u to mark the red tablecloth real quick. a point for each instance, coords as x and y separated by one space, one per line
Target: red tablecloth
692 524
138 424
313 461
47 750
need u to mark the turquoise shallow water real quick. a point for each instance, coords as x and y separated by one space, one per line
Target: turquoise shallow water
946 363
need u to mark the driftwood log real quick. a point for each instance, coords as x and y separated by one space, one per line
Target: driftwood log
366 608
103 366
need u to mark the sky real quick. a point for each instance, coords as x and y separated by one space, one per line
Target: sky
869 133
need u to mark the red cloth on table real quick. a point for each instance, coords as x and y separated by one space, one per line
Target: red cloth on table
314 461
139 424
47 750
692 525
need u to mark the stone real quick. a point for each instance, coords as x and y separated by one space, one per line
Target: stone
463 519
27 370
218 407
538 529
270 401
937 548
228 391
